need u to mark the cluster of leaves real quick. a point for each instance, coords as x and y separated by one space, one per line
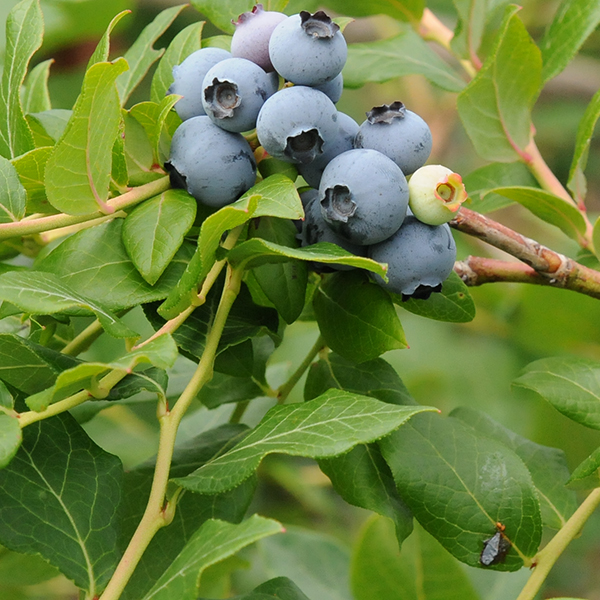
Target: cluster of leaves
92 178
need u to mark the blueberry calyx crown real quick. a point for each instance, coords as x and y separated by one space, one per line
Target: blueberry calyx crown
338 203
422 292
223 98
318 25
177 180
305 146
386 113
257 8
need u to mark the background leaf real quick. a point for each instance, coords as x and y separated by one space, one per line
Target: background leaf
459 484
78 172
549 208
141 55
495 107
10 438
571 385
154 231
572 24
188 40
59 498
405 54
102 50
421 570
405 10
180 580
31 167
329 425
222 12
13 197
24 30
356 317
36 97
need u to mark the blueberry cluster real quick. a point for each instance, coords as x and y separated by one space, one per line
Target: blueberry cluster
359 198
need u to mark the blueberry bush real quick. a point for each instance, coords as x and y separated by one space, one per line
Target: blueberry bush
203 260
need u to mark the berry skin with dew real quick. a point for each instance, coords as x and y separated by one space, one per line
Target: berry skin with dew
308 49
213 165
188 78
419 258
363 196
253 31
234 91
400 134
435 193
295 122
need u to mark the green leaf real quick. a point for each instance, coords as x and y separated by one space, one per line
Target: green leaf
375 378
13 197
279 587
549 208
31 167
275 196
257 252
219 41
246 320
6 399
59 498
577 182
36 97
10 438
161 352
405 54
470 28
459 484
357 317
222 12
53 122
405 10
224 389
316 562
27 366
22 569
154 231
495 107
573 22
188 40
78 172
327 426
421 570
119 174
571 385
95 260
453 304
39 293
181 579
24 31
102 50
284 284
141 55
479 183
192 509
587 468
548 466
139 157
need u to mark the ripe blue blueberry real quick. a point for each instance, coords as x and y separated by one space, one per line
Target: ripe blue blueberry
419 257
234 91
253 31
213 165
398 133
332 89
294 123
308 49
343 141
188 78
363 196
315 230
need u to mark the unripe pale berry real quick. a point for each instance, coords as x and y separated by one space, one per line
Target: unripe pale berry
435 194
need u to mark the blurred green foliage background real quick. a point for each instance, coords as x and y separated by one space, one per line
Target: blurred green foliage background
446 366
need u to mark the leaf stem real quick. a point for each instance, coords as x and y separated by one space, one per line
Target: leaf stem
545 559
105 384
284 391
158 513
47 223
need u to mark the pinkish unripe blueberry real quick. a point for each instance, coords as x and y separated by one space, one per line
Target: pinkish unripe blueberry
435 194
253 31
